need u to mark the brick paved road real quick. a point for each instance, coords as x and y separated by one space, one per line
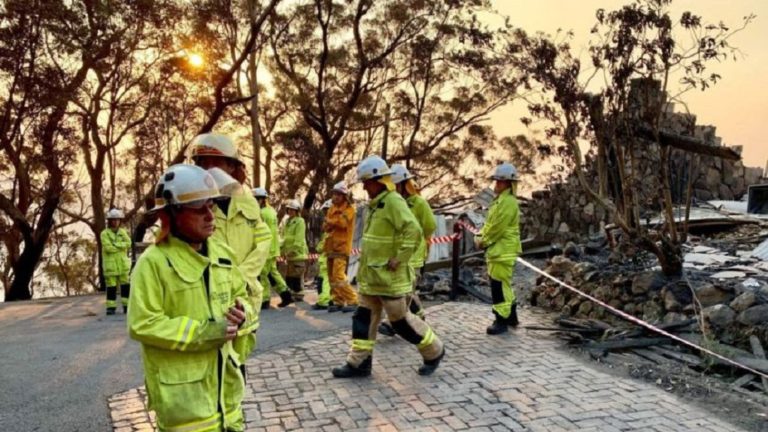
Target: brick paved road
521 381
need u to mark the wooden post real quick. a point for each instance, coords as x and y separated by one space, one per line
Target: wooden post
456 253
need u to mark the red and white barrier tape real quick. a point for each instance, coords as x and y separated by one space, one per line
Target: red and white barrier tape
638 321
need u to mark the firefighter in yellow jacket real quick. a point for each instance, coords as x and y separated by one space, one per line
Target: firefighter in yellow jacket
238 218
403 180
390 237
115 246
189 304
339 227
322 283
270 276
500 237
294 249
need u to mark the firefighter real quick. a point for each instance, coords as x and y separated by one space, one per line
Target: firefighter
339 227
420 208
116 264
390 237
322 283
189 304
500 236
270 276
238 218
294 249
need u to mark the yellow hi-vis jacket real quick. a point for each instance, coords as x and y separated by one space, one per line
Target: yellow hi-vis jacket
249 238
423 213
114 252
339 226
269 216
391 231
294 246
178 305
501 233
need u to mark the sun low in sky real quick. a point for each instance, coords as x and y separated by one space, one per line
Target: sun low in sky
195 60
737 105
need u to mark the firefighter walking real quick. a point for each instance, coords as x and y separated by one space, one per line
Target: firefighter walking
390 237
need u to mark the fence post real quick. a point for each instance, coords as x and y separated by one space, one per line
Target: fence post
456 253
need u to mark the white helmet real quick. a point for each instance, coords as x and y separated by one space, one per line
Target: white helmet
260 192
293 204
183 184
326 205
341 187
372 167
227 184
115 214
400 174
214 144
505 171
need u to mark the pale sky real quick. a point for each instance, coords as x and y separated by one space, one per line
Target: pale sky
737 105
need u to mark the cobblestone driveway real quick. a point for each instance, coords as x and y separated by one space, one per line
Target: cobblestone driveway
518 382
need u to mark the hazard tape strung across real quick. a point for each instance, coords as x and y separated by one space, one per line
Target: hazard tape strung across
638 321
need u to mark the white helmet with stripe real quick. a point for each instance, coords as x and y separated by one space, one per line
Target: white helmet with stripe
260 192
215 145
371 168
505 171
293 204
115 214
184 184
400 174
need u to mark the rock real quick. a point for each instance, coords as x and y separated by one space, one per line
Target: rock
442 287
652 311
709 295
725 192
585 308
713 178
572 250
670 301
754 315
720 316
583 268
616 257
560 266
648 281
673 317
744 301
563 228
589 209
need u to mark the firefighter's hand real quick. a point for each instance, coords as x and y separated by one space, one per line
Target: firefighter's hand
236 315
231 332
478 242
393 264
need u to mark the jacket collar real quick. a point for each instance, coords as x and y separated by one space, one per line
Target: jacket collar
241 203
184 260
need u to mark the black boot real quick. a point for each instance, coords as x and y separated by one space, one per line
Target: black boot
265 305
349 371
499 325
125 309
286 298
386 329
318 306
512 320
429 366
